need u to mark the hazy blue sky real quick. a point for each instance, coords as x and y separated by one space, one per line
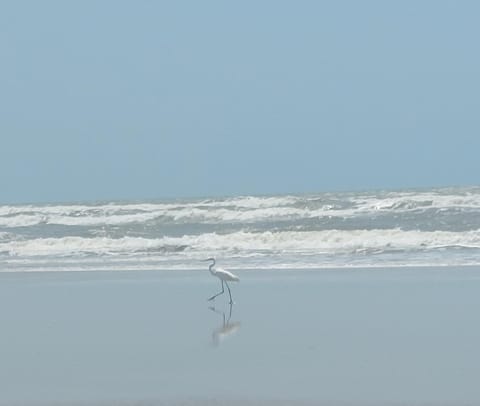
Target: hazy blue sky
151 99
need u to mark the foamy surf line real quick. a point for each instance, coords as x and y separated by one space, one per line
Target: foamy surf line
434 227
305 242
283 268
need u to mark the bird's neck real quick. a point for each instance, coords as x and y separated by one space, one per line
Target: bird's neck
210 268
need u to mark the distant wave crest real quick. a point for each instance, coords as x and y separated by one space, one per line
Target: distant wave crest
247 209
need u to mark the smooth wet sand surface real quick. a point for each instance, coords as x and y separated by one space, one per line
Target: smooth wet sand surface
334 337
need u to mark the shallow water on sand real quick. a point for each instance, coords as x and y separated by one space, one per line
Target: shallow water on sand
352 337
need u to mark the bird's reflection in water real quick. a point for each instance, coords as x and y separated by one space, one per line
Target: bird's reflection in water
227 329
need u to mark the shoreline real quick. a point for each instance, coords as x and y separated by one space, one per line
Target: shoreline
248 270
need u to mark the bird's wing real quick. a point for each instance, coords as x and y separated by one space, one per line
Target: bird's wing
226 275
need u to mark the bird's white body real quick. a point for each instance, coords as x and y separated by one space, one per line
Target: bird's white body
224 276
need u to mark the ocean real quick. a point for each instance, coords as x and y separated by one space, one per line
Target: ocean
418 227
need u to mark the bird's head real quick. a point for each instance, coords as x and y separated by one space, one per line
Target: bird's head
210 259
210 267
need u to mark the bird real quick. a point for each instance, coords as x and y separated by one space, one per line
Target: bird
224 276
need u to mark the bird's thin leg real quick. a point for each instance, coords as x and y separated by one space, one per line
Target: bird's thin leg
230 293
218 294
230 314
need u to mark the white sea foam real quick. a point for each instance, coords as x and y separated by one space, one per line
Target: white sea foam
317 242
190 214
67 246
22 220
418 200
247 209
435 226
331 241
255 202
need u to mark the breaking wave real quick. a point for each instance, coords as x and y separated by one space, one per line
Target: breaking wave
435 226
238 243
246 209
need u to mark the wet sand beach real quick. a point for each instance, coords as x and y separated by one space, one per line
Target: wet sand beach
400 336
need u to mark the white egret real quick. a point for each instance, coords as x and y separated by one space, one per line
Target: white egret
224 276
